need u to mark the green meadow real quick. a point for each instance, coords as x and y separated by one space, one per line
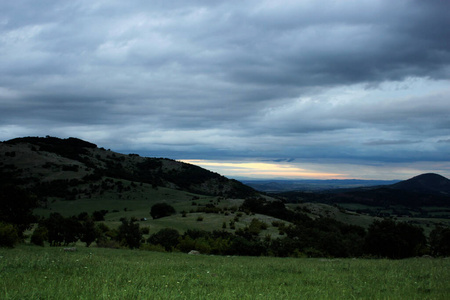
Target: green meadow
31 272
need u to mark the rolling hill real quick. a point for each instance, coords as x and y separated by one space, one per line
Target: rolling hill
76 179
425 183
421 199
73 168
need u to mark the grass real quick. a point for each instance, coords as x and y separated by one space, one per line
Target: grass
30 272
138 202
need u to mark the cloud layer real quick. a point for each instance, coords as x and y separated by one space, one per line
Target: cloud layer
335 82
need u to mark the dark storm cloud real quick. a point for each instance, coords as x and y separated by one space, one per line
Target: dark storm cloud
268 79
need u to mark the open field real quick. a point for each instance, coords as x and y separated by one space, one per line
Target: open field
137 203
30 272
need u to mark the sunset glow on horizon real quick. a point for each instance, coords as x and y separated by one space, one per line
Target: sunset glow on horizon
246 89
262 170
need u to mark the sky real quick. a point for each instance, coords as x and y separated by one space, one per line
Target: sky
248 89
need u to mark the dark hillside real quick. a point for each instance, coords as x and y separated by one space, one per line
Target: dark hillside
427 190
425 183
74 168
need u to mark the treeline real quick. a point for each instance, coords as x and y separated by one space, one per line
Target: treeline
299 235
385 197
63 231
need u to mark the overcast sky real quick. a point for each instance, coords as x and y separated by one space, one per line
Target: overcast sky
286 89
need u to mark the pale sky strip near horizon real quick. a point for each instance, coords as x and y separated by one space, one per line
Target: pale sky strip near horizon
288 89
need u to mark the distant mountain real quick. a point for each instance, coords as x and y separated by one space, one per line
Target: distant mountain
420 191
74 168
312 185
425 183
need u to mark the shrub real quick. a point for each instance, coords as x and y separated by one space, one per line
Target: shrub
89 232
105 243
39 236
129 234
99 215
440 241
160 210
145 230
167 237
394 240
17 208
150 247
8 235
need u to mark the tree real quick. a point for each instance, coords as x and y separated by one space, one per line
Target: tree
440 241
129 234
72 230
54 224
394 240
8 235
62 230
39 236
160 210
99 215
167 237
16 208
89 233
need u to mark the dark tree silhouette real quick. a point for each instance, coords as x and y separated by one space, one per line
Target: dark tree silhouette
129 233
440 241
160 210
394 240
167 237
16 208
89 232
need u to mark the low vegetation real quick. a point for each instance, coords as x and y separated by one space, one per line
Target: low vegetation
31 272
298 235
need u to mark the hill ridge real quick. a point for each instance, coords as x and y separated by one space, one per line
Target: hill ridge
50 163
427 182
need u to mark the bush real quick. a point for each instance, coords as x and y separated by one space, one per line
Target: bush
167 237
440 241
17 208
129 234
8 235
145 230
160 210
105 243
99 215
89 232
39 236
150 247
394 240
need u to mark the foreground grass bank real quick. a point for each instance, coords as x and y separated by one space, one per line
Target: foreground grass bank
30 272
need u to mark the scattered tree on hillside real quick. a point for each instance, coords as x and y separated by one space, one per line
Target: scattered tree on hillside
99 215
160 210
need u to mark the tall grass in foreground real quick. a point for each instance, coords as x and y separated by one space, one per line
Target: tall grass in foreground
30 272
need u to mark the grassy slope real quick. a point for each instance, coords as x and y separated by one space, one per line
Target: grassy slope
30 272
139 201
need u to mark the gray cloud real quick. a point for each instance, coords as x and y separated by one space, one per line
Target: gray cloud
231 79
389 142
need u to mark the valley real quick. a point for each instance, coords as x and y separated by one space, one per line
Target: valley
75 181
